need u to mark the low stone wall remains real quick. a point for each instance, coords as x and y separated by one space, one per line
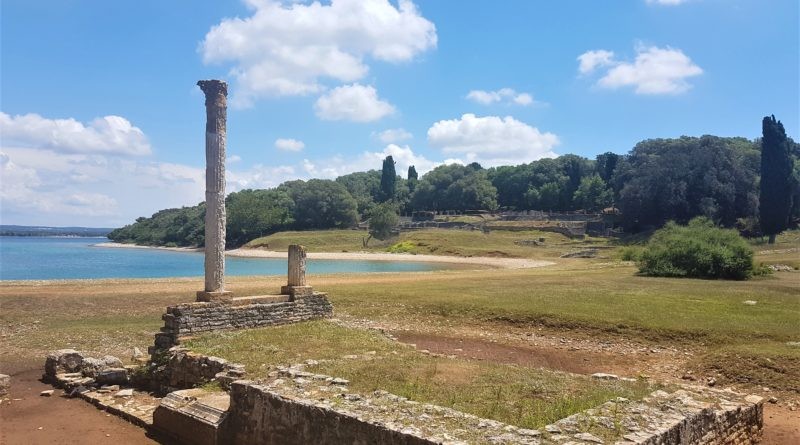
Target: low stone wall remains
240 313
180 368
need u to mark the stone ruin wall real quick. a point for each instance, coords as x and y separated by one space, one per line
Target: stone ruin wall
269 415
258 415
190 319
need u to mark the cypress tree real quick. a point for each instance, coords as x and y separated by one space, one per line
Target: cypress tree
775 200
388 179
412 178
412 173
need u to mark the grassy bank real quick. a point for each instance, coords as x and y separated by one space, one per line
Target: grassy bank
432 242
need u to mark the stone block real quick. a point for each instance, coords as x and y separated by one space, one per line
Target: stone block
193 416
5 385
68 360
112 376
297 291
204 296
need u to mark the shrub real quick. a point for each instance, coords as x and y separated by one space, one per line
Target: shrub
698 250
630 253
403 247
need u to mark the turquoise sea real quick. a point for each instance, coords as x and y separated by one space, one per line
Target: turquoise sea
45 258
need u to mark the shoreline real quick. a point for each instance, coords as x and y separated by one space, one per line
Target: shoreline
500 263
113 245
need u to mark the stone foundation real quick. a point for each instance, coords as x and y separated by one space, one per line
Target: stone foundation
183 369
294 406
189 319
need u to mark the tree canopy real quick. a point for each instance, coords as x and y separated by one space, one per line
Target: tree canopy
657 181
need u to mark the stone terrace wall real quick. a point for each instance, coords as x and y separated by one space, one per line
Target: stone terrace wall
257 415
196 318
299 407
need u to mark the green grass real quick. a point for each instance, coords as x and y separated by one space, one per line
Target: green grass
520 396
610 299
431 242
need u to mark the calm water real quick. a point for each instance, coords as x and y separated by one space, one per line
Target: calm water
39 258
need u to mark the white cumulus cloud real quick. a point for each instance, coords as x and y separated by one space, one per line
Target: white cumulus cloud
591 60
492 140
51 188
393 135
289 48
289 144
107 135
507 95
654 71
357 103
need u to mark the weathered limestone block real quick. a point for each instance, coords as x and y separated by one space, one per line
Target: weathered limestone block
68 360
193 416
90 367
112 376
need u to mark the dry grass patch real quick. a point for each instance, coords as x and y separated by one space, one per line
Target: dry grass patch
520 396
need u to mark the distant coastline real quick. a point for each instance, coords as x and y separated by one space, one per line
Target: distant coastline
60 232
114 245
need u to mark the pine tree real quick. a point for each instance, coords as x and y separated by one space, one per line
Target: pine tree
388 179
775 201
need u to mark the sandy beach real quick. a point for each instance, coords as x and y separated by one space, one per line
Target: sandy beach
503 263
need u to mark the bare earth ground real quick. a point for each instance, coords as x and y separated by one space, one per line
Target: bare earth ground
28 418
127 312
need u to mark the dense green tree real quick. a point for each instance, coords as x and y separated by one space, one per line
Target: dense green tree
775 201
549 196
593 193
170 227
520 186
605 164
678 179
364 187
323 204
382 220
454 187
255 213
388 179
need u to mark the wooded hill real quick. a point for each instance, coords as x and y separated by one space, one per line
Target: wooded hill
657 181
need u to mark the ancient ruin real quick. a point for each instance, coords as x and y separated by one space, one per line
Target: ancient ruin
216 92
296 284
297 302
295 405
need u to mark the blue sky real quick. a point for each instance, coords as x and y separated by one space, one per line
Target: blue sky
102 122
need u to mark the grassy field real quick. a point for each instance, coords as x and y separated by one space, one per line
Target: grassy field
599 299
525 397
432 242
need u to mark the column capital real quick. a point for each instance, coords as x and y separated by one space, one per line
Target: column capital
213 87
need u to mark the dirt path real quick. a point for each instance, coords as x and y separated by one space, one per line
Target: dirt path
28 418
781 426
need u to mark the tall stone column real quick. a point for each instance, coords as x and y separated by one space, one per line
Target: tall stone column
216 92
296 283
